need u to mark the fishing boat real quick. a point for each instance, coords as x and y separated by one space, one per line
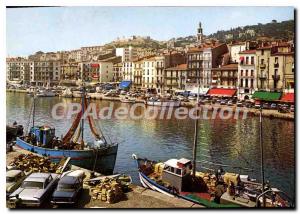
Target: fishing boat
99 156
127 99
153 101
174 178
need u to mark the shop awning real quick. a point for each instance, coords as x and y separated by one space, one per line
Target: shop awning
221 92
125 84
266 96
288 97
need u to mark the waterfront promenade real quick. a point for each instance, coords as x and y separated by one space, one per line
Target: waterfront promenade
270 113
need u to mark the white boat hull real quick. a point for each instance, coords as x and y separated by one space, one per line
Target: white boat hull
163 103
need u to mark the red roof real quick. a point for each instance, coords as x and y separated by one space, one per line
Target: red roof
288 97
226 92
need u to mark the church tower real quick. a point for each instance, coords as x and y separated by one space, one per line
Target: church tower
199 34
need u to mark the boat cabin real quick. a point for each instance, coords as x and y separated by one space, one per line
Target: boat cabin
176 171
42 134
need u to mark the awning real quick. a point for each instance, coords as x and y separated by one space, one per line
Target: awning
288 97
95 65
195 90
222 92
125 84
266 96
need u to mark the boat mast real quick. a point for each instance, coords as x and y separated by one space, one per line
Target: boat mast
82 110
262 154
33 110
196 131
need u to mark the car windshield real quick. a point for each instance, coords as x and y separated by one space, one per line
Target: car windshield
10 179
33 185
66 187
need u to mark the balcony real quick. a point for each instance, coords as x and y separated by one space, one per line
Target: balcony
276 65
276 77
262 66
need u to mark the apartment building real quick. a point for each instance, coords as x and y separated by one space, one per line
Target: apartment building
247 74
69 71
45 72
18 69
235 49
138 74
128 54
200 61
117 72
282 69
96 71
225 76
175 78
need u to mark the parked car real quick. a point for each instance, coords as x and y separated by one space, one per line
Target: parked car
239 104
192 98
273 106
14 179
292 108
223 102
266 106
35 190
68 188
230 103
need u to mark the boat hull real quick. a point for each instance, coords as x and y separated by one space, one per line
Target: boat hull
105 157
163 103
189 196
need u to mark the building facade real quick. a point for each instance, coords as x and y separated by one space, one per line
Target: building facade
247 74
18 70
225 76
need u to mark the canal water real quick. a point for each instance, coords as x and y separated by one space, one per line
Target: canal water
229 142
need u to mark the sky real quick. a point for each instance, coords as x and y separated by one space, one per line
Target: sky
29 30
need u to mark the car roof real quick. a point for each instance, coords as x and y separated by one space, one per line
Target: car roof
39 177
13 173
68 180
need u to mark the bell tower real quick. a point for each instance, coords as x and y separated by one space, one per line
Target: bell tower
199 34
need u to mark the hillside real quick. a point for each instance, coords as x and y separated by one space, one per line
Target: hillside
274 30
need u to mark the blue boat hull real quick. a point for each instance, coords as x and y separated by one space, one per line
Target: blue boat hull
105 157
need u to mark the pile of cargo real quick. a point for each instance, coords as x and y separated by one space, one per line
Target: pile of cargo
209 179
33 163
110 190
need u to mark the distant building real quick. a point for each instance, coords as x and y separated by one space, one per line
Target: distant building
225 76
175 78
247 76
127 54
43 73
282 69
117 72
18 70
96 71
235 49
200 61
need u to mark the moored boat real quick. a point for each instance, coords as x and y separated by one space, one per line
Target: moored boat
162 102
99 156
227 190
46 93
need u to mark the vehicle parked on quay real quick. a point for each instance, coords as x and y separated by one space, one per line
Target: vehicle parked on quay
35 190
68 188
14 179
